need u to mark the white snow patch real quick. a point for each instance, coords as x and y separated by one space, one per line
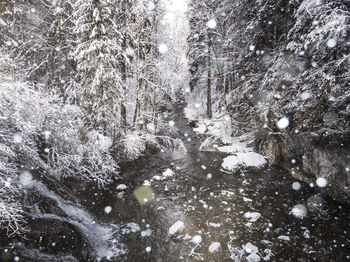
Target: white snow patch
178 227
201 129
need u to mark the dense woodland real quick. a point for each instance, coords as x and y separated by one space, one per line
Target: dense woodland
85 83
81 90
268 60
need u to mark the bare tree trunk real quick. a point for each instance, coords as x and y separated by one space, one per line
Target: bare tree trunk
123 71
137 106
59 42
122 102
209 109
145 102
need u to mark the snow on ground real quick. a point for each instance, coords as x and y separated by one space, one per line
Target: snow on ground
218 131
167 174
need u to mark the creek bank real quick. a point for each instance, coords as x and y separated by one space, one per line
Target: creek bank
216 133
306 160
299 155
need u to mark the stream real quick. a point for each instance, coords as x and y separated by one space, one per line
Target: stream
247 216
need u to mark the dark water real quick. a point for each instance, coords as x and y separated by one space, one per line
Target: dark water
214 209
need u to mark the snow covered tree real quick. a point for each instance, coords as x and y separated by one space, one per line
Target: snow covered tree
99 44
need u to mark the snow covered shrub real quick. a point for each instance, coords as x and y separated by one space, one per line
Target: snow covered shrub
11 212
7 66
38 131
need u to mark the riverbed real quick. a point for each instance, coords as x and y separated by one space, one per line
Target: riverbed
246 216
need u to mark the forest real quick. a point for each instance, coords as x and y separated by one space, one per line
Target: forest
180 130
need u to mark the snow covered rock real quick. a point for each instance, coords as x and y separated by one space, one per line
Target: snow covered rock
248 159
121 187
250 248
285 238
146 183
168 173
214 247
156 177
252 216
178 227
231 163
251 159
253 258
245 199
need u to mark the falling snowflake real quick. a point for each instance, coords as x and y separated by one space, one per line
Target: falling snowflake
130 51
108 209
331 43
163 48
17 138
305 96
321 182
211 23
296 186
151 6
283 123
25 178
197 239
